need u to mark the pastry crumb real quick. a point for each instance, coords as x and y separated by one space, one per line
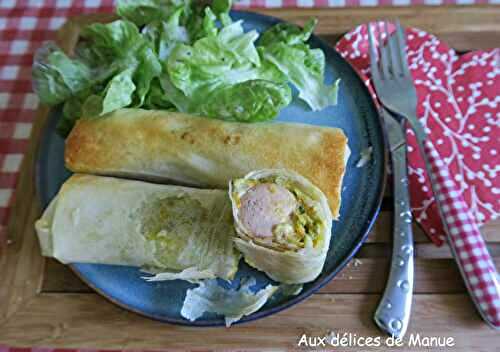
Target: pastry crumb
365 157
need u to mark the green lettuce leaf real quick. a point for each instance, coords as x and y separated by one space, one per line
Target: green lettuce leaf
85 105
92 106
239 43
216 53
191 274
284 46
210 23
249 101
142 12
132 57
156 99
119 92
71 112
149 67
113 40
287 33
232 303
304 68
221 7
164 35
226 57
222 88
209 77
202 18
132 65
174 95
56 77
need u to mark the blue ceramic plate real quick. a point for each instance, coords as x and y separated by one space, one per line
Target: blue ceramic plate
361 196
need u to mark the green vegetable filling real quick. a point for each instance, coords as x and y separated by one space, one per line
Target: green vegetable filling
307 224
166 222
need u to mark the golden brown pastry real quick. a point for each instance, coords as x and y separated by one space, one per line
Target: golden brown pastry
162 145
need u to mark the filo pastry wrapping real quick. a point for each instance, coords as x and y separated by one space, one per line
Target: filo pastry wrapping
199 151
284 224
175 232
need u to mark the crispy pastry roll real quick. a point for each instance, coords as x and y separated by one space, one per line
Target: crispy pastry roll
167 146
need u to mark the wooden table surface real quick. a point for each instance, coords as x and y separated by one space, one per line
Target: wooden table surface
43 304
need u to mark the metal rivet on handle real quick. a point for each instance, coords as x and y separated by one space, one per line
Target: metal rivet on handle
407 249
396 324
404 285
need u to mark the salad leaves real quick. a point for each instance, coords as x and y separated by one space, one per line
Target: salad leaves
234 304
119 91
182 55
57 77
142 12
164 35
253 100
285 46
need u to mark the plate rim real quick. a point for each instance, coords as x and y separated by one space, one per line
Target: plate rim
294 300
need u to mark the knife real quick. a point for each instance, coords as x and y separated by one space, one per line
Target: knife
393 312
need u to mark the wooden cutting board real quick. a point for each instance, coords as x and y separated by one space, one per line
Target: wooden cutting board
43 304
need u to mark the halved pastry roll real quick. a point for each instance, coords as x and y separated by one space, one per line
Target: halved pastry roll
283 223
175 232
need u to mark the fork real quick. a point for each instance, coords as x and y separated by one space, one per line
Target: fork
396 91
